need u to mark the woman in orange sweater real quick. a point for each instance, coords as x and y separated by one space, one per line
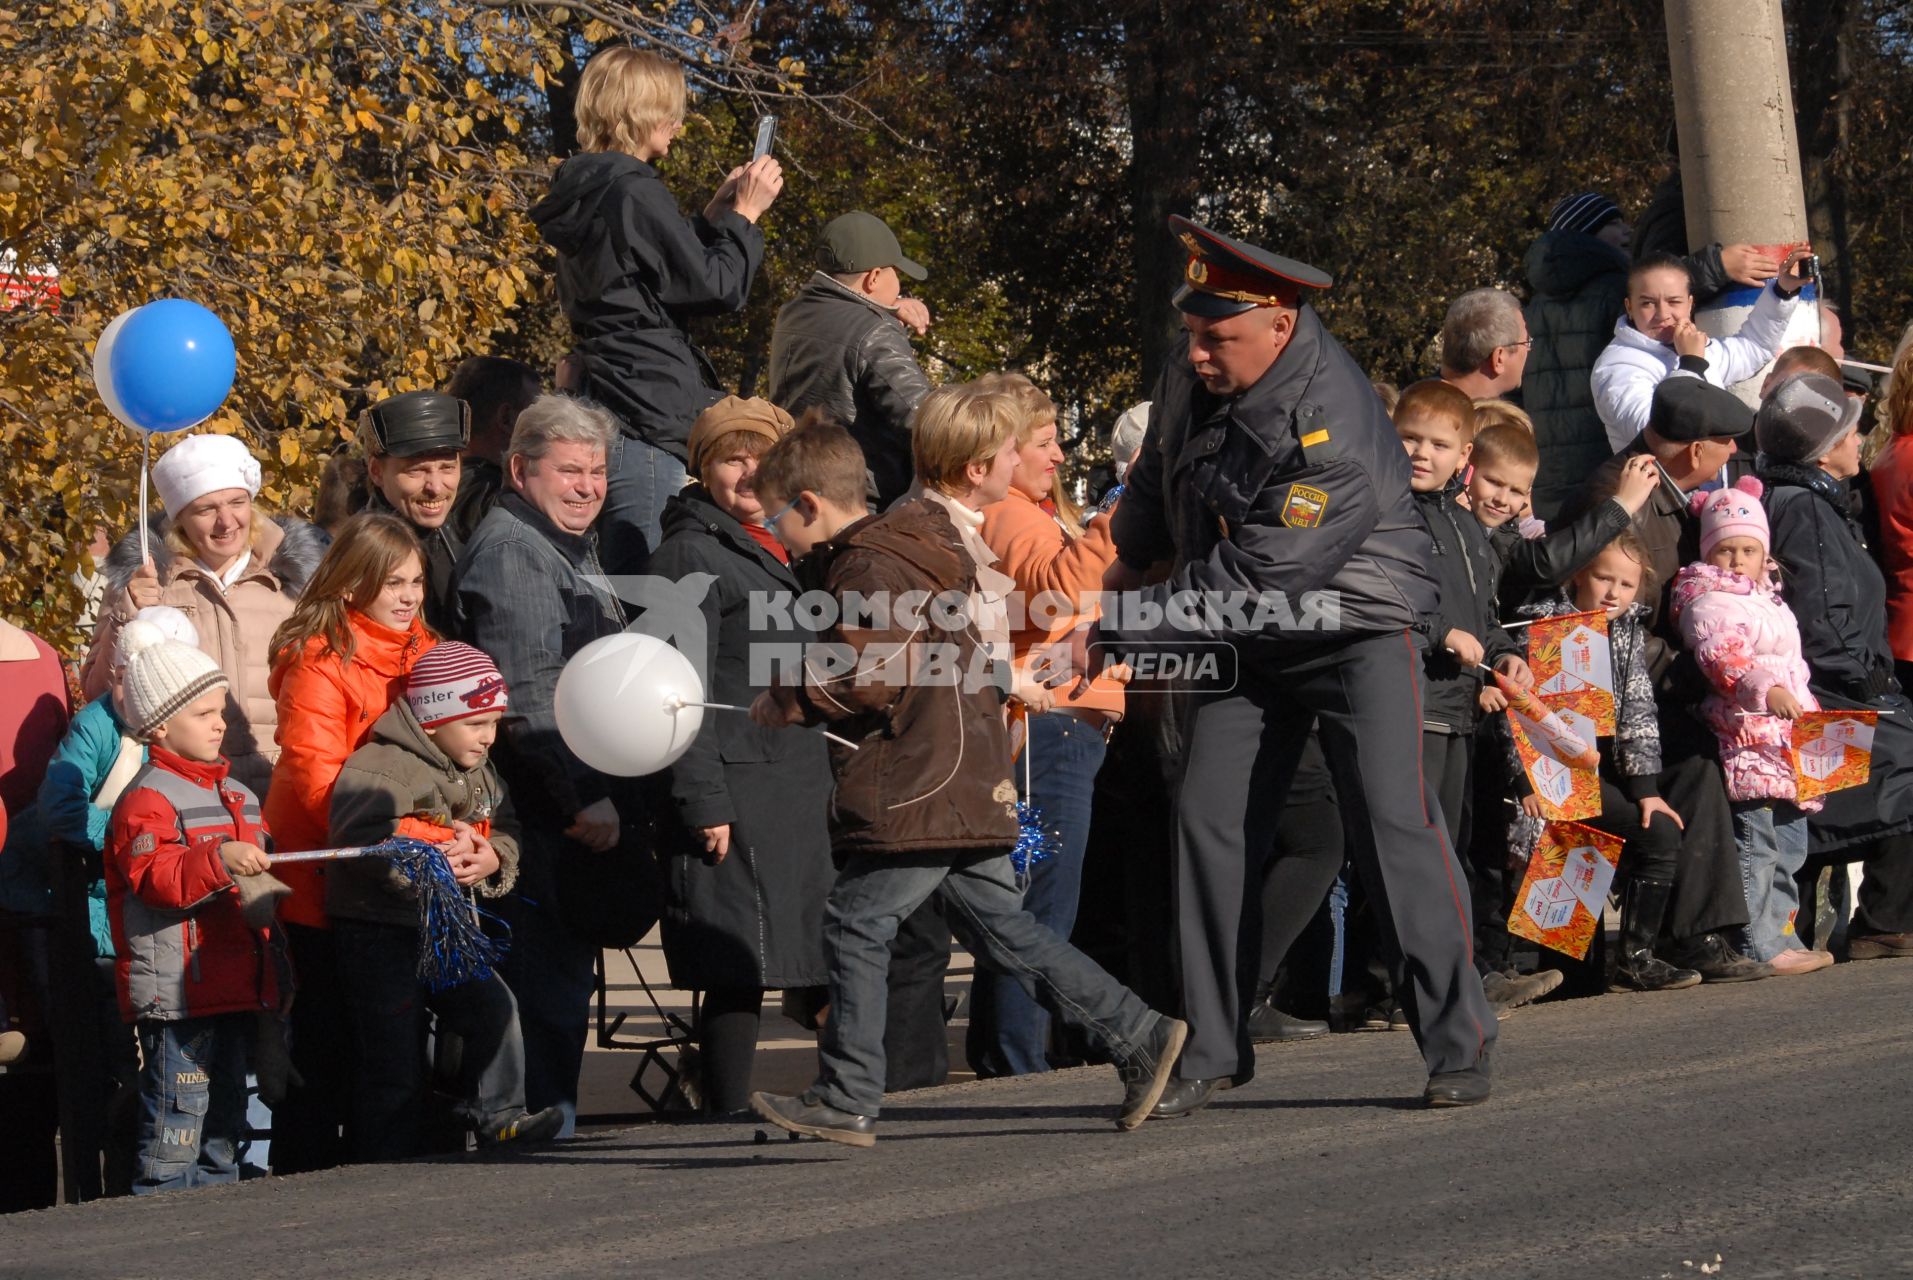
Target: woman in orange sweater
1038 540
338 662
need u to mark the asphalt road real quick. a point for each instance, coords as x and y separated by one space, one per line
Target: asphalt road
1630 1136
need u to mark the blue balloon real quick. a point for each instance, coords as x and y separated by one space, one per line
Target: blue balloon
173 365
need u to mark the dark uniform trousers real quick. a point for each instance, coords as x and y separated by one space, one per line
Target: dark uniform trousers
1366 698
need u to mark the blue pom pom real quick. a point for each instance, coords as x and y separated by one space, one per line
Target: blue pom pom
1034 841
453 945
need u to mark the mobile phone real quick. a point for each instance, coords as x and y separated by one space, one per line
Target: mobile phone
766 134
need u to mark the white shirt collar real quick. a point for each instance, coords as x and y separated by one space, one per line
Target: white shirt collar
232 575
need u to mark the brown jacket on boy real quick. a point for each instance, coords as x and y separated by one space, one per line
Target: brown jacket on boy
911 686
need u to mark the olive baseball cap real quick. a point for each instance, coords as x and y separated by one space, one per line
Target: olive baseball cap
860 241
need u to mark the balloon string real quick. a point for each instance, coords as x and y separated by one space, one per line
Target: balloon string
674 704
145 463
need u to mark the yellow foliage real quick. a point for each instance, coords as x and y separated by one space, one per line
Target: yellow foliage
246 155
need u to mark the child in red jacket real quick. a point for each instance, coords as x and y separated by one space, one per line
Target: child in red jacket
192 973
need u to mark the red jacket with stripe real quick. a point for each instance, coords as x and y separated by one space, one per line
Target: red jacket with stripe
184 949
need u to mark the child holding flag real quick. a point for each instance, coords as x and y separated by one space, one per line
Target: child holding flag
1747 643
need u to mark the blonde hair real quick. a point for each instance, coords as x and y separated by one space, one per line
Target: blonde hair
624 95
1898 408
255 529
956 426
1035 410
1499 413
368 550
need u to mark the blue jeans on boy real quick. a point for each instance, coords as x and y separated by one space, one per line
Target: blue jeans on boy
1065 754
192 1099
873 894
1772 840
378 967
642 478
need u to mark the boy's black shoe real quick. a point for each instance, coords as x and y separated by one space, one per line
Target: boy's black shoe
1148 1071
805 1114
1463 1088
1715 961
527 1128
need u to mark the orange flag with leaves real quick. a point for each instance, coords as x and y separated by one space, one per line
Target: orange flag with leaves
1832 750
1561 897
1573 665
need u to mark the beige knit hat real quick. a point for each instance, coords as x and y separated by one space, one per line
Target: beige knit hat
162 677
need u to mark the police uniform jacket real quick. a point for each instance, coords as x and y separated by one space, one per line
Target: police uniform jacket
1298 484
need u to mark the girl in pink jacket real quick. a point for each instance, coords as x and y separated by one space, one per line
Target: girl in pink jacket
1746 640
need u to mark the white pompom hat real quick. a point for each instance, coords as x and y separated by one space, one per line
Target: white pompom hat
163 676
199 465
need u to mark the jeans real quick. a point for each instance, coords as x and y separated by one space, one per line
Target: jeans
1771 837
980 895
192 1101
1065 754
378 969
642 479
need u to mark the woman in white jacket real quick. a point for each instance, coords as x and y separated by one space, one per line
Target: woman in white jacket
1656 338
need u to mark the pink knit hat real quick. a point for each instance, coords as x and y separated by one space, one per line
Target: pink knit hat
1731 513
453 681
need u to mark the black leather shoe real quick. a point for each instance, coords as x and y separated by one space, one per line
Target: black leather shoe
1269 1025
1464 1088
1148 1072
805 1114
1715 961
1186 1097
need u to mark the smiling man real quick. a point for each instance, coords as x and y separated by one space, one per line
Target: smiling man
413 445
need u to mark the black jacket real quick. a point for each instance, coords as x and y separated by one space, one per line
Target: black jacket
756 918
442 548
481 483
1537 564
1579 284
632 271
1468 573
836 350
1298 485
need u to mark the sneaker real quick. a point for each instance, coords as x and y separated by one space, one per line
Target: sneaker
1147 1071
1507 993
526 1129
807 1115
12 1045
1398 1018
1880 946
1795 960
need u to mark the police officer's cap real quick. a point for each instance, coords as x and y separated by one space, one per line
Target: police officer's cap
1225 277
1687 409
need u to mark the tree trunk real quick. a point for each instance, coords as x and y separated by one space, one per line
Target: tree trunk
1163 69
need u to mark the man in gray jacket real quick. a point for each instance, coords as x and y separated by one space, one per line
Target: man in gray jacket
840 345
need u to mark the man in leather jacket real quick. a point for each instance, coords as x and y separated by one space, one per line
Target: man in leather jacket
1273 486
841 346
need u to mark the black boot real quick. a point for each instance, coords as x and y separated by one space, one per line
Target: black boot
1643 906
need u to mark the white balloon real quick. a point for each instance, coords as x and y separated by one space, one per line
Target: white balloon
103 367
619 704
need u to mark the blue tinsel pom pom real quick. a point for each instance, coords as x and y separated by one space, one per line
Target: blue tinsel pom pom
453 945
1034 841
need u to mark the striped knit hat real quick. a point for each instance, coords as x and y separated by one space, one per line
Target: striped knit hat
1586 212
453 681
163 677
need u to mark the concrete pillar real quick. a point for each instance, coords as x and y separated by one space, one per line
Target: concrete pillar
1740 159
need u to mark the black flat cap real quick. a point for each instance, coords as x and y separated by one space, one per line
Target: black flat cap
1225 276
404 426
1687 408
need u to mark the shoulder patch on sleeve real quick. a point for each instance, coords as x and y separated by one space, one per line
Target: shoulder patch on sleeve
1304 506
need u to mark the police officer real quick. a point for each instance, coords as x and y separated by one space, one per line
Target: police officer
1272 482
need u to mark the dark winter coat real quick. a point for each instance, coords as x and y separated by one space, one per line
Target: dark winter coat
1296 486
400 783
1671 537
1533 564
481 484
1468 573
836 350
632 272
1579 287
932 768
1838 596
756 918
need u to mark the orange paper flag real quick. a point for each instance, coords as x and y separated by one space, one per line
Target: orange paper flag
1832 750
1573 665
1561 897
